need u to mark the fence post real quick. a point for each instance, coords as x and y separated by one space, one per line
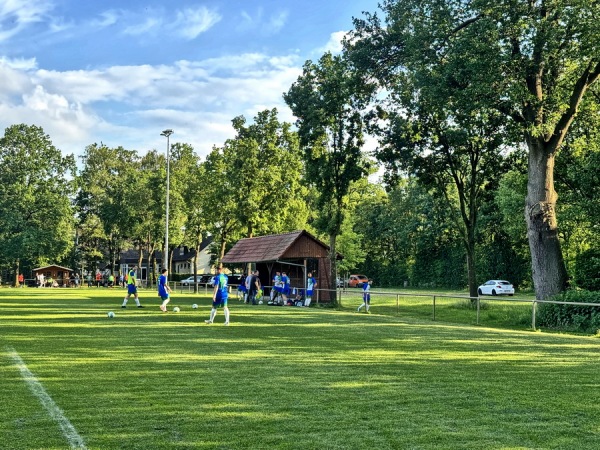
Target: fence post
478 309
434 308
397 303
533 308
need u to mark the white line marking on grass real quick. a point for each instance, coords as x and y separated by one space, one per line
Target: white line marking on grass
75 441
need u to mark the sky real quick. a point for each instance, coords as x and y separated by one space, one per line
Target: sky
122 72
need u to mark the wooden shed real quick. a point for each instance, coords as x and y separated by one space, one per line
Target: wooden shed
295 253
58 273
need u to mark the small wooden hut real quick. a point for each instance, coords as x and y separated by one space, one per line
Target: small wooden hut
295 253
59 274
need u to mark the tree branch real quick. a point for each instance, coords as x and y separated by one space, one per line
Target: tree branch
587 78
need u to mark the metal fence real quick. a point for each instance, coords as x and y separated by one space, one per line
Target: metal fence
477 300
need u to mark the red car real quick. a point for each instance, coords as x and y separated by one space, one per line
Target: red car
357 280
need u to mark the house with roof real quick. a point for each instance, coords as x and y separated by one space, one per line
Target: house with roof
59 274
182 262
295 253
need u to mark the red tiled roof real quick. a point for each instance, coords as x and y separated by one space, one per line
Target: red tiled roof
264 248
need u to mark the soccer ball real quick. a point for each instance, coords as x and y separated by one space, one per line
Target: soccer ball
260 302
194 306
110 314
176 309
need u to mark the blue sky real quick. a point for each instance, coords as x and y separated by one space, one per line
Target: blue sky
121 72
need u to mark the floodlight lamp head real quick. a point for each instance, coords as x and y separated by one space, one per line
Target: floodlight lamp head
167 133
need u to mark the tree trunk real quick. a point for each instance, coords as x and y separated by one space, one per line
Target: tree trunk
17 272
199 242
333 272
471 270
151 263
221 251
547 263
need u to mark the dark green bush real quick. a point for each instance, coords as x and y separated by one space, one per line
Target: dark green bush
571 317
587 270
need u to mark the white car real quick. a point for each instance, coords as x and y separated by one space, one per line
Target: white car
496 287
190 280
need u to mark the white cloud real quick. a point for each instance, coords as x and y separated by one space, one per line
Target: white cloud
19 63
334 45
40 100
129 105
24 11
106 19
16 15
277 21
150 24
190 23
187 24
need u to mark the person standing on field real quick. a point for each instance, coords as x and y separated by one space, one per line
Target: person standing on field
311 283
285 280
220 295
131 289
366 296
163 289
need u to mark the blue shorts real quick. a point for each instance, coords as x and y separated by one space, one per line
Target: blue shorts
220 301
131 289
367 298
286 290
164 297
242 288
309 293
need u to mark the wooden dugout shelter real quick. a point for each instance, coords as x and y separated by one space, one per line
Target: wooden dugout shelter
295 253
58 273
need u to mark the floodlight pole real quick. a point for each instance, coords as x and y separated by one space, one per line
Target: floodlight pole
167 133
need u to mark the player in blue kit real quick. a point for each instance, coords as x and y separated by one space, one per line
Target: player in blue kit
285 290
366 297
220 295
163 289
311 283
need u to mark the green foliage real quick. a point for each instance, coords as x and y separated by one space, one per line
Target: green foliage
509 199
217 200
428 123
409 237
331 134
578 183
36 217
106 182
587 270
326 99
571 317
502 250
264 168
351 245
463 69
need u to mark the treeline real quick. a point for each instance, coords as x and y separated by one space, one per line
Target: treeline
53 213
483 115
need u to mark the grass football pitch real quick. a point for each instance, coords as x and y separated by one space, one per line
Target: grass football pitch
282 377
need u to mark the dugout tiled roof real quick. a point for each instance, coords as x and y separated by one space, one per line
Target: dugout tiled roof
52 266
273 247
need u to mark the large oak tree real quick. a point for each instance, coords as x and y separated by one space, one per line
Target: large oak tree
532 61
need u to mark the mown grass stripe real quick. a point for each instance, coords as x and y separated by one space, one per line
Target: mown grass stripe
69 431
